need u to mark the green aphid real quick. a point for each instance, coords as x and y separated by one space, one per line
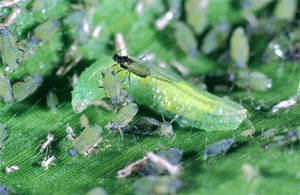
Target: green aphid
253 80
216 37
74 18
142 126
166 129
86 141
196 14
52 101
185 38
122 118
144 69
6 92
46 30
239 48
9 52
3 136
156 185
25 88
281 9
111 85
269 133
218 148
27 46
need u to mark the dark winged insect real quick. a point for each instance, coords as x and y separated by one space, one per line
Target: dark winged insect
143 68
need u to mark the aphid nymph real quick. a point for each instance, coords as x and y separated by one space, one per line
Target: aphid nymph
86 141
218 148
122 118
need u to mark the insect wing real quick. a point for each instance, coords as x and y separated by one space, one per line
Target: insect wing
158 72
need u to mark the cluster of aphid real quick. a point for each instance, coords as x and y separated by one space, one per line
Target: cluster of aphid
285 139
284 45
159 172
13 53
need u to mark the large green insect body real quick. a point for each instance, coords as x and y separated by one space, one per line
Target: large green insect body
9 53
86 140
111 86
23 89
6 92
194 107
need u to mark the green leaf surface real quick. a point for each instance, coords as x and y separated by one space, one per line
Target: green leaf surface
30 120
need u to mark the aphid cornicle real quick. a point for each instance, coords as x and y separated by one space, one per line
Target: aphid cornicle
144 69
122 118
9 53
111 85
86 141
218 148
23 89
3 137
6 92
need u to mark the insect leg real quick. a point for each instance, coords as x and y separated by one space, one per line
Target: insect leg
39 144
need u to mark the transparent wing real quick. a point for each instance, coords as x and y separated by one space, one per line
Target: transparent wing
159 72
